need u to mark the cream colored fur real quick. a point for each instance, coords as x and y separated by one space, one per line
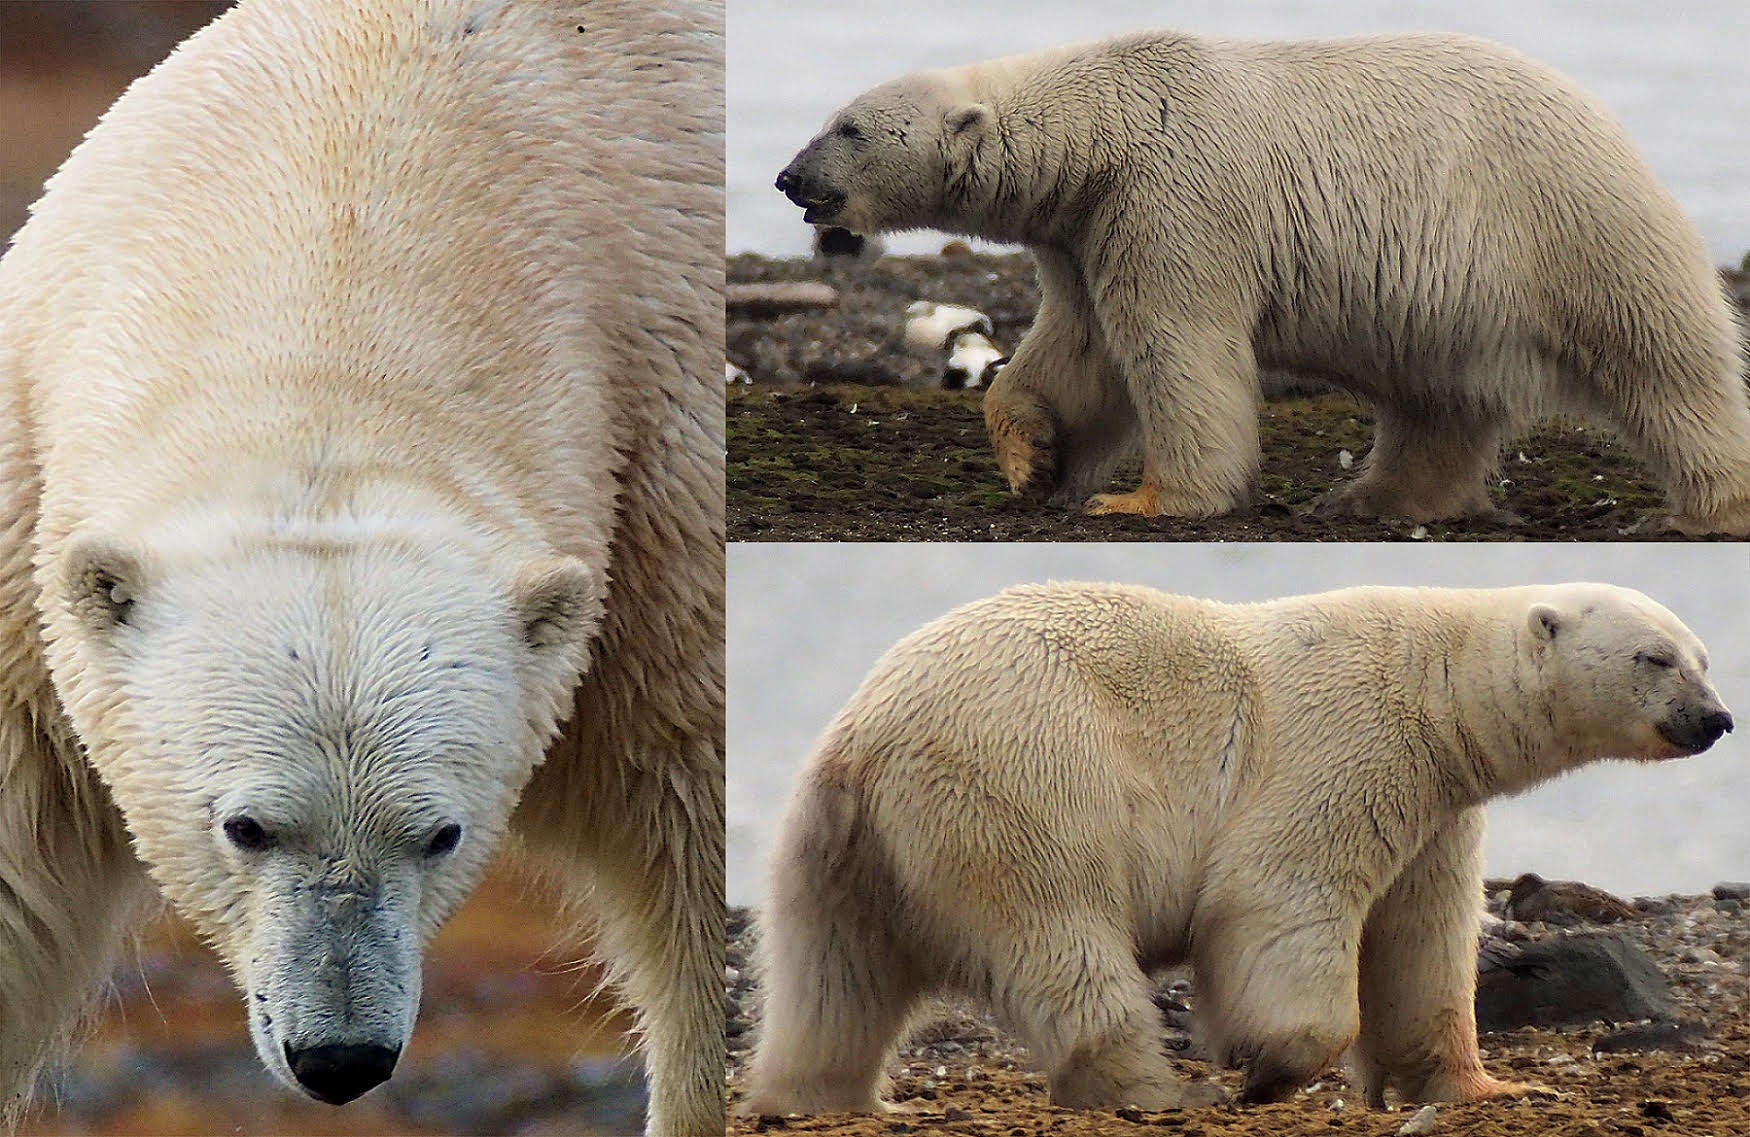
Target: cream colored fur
1041 797
1458 235
353 324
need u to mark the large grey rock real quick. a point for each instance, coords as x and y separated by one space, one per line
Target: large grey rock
1570 979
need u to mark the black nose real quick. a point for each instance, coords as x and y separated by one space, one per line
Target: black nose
339 1073
786 180
1716 724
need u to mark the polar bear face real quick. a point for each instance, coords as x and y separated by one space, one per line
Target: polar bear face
1624 677
889 160
316 748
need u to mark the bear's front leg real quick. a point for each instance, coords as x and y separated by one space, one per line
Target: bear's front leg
71 892
1276 987
1058 414
1024 434
1193 383
1418 975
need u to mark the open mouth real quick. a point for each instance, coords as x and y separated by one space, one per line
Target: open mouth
821 209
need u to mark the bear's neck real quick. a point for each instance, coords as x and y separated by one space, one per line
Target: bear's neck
1490 720
1035 175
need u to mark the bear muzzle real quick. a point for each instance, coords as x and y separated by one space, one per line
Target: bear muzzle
818 202
1693 731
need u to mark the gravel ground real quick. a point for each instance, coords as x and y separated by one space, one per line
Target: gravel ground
961 1073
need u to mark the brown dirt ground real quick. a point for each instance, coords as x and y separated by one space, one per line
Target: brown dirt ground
835 440
990 1093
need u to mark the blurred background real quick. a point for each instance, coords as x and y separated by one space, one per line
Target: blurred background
509 1039
1675 75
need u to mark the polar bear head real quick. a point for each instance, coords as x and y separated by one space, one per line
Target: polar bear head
1621 676
900 156
316 743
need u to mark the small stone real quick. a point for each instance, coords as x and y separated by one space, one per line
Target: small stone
1130 1114
1420 1124
1657 1110
1732 890
955 1113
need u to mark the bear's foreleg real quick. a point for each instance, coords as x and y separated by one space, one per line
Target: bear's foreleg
1276 990
640 842
837 981
1193 381
1418 971
1058 414
71 891
1068 982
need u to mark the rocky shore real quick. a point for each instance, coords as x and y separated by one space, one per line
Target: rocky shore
1683 1071
840 431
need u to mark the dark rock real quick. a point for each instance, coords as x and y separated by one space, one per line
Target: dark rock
955 1113
1732 890
1134 1116
1569 980
1563 902
1670 1036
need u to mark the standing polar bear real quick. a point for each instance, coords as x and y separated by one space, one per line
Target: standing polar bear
1454 233
1042 796
361 428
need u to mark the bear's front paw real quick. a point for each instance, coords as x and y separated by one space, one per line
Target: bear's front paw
1024 434
1144 501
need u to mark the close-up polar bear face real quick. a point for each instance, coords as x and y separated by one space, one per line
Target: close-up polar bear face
1624 676
317 744
892 159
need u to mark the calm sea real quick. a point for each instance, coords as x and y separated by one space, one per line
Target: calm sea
807 621
1677 75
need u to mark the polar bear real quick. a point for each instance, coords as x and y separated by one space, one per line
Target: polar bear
360 429
1042 796
1454 233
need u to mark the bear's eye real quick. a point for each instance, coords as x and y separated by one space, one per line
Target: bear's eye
444 841
851 131
246 833
1655 660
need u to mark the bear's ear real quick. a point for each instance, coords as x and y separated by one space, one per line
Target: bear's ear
968 122
1544 621
101 579
558 602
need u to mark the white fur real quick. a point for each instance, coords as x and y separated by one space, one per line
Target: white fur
362 427
1042 796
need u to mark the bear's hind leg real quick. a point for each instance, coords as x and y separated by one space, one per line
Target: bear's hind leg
1422 469
838 982
1418 976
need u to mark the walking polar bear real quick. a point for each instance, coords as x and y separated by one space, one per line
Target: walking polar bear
1454 233
1044 795
361 427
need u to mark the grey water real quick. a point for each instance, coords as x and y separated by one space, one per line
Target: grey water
806 622
1677 75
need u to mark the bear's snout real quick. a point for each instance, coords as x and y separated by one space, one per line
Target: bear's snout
338 1073
812 194
1695 731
